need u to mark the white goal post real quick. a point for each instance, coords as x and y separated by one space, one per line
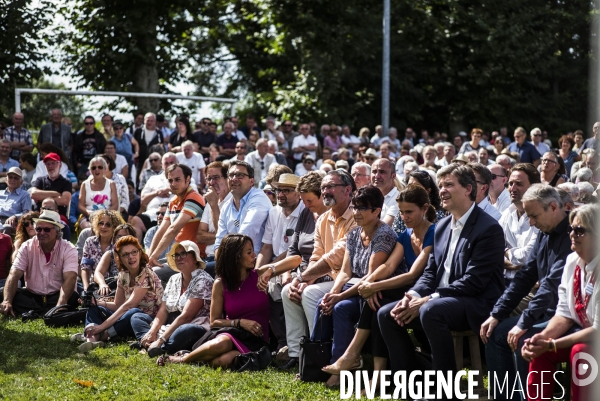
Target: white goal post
19 91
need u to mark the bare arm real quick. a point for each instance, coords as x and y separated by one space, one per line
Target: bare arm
265 255
170 232
67 288
114 198
81 203
10 289
203 236
38 195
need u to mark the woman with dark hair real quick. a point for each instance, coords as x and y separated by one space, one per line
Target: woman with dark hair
565 150
498 148
553 171
107 266
368 246
139 290
425 180
238 308
25 231
183 133
388 283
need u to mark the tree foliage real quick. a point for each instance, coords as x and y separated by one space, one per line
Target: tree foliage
23 43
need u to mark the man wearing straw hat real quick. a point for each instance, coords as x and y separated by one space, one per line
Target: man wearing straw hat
50 268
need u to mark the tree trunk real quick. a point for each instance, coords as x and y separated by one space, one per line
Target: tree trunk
146 79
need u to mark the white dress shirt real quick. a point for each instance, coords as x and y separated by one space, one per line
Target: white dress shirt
277 225
519 236
302 140
503 201
390 206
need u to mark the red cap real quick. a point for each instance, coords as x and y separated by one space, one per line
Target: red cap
52 156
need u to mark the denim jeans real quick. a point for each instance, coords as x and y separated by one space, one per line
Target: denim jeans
210 265
503 362
183 338
122 327
339 325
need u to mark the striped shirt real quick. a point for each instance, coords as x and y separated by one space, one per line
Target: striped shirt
192 204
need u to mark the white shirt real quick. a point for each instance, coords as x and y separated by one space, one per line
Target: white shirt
503 201
566 298
120 162
351 139
441 162
149 136
207 218
390 206
541 148
277 224
519 236
301 140
273 137
40 170
487 207
240 135
196 163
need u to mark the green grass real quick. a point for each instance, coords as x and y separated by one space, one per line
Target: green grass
40 363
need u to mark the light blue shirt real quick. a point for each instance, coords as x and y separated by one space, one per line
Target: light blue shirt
251 218
10 163
14 203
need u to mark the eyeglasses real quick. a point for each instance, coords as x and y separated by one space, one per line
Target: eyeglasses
51 163
548 161
161 213
89 123
537 134
331 186
308 161
355 175
237 176
93 168
214 177
287 125
154 160
44 229
270 193
117 128
180 255
480 182
240 147
128 254
361 209
106 224
48 208
283 191
578 231
494 176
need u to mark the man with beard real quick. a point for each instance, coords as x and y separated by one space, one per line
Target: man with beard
301 296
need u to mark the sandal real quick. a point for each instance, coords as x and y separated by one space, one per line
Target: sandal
165 359
335 369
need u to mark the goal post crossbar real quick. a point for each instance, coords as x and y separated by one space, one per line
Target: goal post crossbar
19 91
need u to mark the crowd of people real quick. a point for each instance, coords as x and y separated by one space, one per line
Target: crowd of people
204 245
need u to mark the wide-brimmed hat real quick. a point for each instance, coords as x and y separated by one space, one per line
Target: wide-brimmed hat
370 152
342 164
286 180
308 157
460 158
189 246
49 216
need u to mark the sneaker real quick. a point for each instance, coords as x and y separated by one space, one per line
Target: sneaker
88 346
78 338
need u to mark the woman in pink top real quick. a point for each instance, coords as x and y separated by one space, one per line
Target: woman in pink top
333 140
237 304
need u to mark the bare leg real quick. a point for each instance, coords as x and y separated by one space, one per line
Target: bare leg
207 351
225 360
352 354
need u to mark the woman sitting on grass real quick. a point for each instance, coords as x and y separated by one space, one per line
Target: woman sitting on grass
183 316
139 290
237 304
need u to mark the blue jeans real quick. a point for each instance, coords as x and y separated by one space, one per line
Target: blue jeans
501 360
183 338
122 327
339 325
210 265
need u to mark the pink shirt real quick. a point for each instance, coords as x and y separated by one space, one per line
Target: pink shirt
43 277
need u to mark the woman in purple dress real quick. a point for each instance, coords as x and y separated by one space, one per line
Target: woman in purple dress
236 304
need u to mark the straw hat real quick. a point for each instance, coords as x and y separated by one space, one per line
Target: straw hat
189 246
49 216
286 180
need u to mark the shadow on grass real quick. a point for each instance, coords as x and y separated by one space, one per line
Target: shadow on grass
20 349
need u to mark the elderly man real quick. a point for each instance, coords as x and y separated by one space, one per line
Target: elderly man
19 137
499 196
155 168
88 143
301 296
527 152
361 173
146 136
304 143
5 161
449 153
504 335
247 210
50 204
226 141
483 178
272 134
53 185
279 231
382 177
460 284
56 133
183 216
536 140
215 197
49 265
14 201
260 160
505 161
592 143
193 160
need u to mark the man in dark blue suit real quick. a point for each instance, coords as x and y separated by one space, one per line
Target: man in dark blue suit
462 280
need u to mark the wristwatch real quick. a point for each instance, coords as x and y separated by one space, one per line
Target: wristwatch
299 276
272 267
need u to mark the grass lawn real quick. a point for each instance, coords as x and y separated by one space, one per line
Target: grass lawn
40 363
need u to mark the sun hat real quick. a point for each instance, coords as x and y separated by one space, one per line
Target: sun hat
286 180
189 246
49 216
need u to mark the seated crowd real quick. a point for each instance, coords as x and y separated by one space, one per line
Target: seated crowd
206 246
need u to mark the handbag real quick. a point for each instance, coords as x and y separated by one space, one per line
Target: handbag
314 355
65 315
252 361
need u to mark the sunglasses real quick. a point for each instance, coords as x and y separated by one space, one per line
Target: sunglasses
44 229
161 213
26 224
106 224
93 168
154 160
494 176
578 231
88 123
284 191
270 193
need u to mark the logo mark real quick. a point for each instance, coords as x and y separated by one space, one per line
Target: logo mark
584 366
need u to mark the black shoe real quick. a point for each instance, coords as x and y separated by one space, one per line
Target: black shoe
154 352
135 345
292 363
31 315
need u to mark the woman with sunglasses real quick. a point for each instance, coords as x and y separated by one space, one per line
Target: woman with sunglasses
104 224
577 318
139 290
120 183
388 282
126 145
97 192
25 231
368 246
183 316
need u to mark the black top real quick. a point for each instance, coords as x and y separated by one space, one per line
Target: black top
60 185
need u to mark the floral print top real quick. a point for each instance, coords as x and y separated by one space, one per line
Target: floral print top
92 253
200 287
150 303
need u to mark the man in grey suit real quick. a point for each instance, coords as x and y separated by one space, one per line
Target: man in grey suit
57 133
